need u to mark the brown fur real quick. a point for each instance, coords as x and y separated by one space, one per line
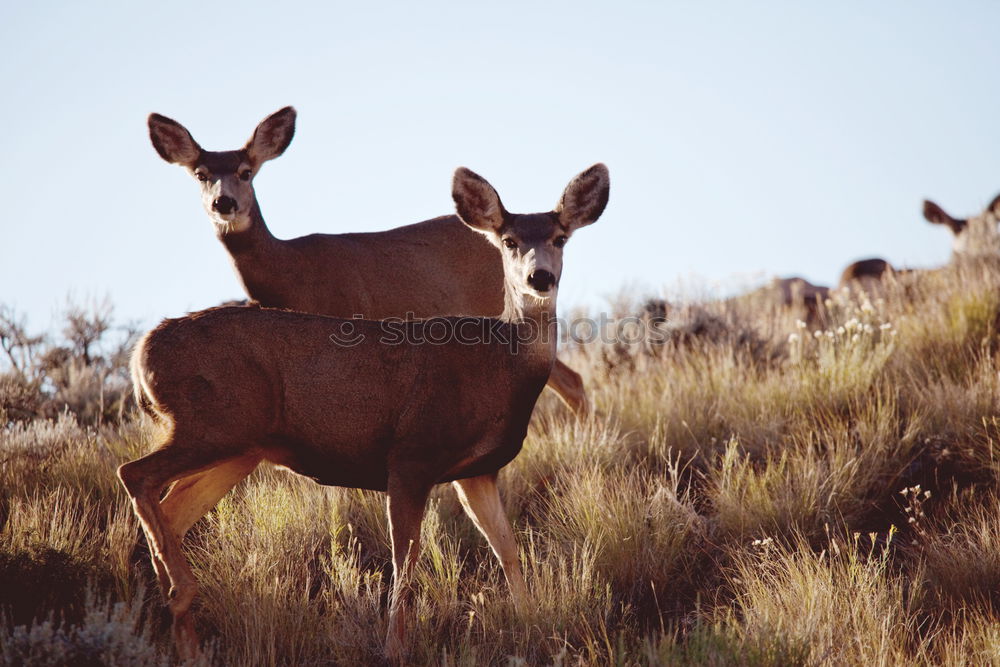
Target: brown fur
239 385
865 272
438 267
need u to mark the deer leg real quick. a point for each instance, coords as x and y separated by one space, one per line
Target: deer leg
161 573
568 385
191 498
405 506
144 479
481 500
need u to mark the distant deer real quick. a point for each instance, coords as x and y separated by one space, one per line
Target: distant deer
432 268
237 386
798 292
975 237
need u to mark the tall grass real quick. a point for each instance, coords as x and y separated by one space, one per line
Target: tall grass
736 499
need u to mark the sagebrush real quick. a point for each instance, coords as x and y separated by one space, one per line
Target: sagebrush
750 491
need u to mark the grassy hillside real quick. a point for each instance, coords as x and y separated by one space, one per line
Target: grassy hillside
749 491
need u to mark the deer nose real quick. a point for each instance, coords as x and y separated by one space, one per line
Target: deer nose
224 205
542 280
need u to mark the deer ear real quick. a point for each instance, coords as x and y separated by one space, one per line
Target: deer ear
585 197
477 203
172 141
994 206
272 136
934 213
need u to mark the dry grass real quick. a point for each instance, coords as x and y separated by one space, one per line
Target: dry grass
735 500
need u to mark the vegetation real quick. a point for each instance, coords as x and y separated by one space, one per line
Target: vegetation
749 492
84 372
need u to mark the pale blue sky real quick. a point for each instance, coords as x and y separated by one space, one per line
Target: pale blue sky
743 139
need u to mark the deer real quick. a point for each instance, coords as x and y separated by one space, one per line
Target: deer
354 403
800 294
378 275
972 238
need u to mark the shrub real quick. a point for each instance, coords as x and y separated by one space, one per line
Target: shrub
85 372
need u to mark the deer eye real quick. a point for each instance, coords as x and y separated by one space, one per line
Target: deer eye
560 241
245 175
509 243
201 176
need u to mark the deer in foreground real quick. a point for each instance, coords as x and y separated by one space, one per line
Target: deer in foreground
433 268
343 402
974 237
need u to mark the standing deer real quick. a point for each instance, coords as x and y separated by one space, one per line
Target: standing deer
975 237
397 273
344 402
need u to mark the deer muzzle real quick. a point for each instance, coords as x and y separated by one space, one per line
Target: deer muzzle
541 280
224 205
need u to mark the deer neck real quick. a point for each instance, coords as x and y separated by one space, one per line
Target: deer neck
535 320
253 252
